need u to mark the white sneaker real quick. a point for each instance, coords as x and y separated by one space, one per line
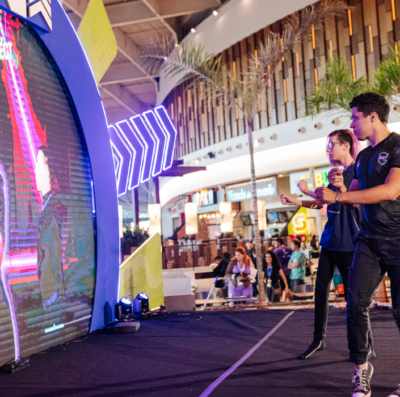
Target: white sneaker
362 380
396 393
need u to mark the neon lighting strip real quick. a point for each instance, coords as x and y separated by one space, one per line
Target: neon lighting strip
155 171
134 154
21 106
124 170
5 263
60 326
53 328
144 133
161 135
120 164
142 148
168 126
152 142
79 319
83 49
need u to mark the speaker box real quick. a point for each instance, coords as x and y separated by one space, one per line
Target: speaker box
123 328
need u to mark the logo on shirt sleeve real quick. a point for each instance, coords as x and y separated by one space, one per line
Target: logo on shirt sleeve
383 158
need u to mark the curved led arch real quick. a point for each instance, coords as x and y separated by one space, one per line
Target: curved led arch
57 34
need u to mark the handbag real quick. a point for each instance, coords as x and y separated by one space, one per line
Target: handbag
277 291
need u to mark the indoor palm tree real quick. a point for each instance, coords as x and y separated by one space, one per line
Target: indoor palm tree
387 77
217 80
335 90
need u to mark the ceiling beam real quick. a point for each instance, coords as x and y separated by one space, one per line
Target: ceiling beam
133 12
114 115
122 73
126 47
160 18
171 8
124 98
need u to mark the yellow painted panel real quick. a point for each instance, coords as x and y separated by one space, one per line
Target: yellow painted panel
97 37
298 224
142 272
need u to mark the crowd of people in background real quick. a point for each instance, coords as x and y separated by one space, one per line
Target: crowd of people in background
133 239
284 269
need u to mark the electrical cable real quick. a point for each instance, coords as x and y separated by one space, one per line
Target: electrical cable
179 312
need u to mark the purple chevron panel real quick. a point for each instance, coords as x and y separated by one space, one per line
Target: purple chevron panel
161 139
125 160
137 149
169 128
149 146
143 147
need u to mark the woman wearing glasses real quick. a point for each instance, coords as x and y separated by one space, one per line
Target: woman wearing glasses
342 225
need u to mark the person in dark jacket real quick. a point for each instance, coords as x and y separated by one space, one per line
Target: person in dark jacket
337 237
220 271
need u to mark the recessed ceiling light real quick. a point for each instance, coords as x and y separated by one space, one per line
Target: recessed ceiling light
215 12
280 176
193 30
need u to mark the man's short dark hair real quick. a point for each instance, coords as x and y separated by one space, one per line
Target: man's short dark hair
276 230
296 242
227 256
370 102
280 241
218 258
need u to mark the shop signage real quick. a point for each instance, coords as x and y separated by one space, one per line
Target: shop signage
203 198
320 176
179 207
242 191
298 224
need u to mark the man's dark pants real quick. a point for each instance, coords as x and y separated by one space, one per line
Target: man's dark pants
328 260
295 282
372 259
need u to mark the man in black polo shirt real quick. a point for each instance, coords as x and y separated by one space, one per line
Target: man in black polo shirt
376 186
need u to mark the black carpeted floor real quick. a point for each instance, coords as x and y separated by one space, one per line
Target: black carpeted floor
183 357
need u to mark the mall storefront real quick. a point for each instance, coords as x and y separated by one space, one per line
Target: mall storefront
305 224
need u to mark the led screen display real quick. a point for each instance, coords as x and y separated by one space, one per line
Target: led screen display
47 245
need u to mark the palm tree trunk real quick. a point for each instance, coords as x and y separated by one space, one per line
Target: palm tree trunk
258 245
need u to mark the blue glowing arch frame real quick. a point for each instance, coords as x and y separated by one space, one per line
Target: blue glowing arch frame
66 49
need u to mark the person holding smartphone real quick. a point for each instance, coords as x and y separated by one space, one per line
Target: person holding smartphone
336 240
376 187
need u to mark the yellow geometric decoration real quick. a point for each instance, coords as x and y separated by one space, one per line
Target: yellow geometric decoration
97 37
142 272
298 224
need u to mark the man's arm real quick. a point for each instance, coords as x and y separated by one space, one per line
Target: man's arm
354 187
293 265
287 200
389 191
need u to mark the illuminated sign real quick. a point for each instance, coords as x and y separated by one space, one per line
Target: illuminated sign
179 207
142 148
243 191
203 198
320 176
298 224
56 166
6 53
